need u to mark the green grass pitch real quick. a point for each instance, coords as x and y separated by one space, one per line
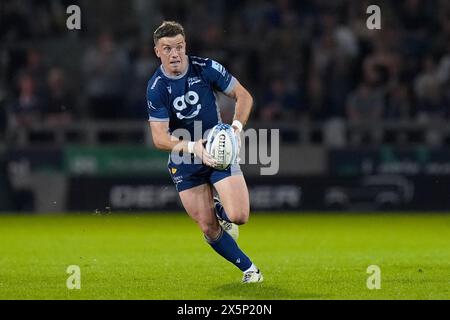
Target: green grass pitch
163 256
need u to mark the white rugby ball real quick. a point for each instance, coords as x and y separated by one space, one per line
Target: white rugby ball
221 144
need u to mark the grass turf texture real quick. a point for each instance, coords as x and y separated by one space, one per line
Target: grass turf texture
304 256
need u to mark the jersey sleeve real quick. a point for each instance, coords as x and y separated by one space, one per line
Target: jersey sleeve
219 77
157 110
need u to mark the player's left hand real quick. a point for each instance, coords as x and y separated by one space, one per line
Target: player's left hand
200 152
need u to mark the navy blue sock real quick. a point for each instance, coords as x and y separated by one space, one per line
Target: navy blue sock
228 248
220 211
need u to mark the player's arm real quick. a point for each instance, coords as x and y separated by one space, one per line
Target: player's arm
223 81
162 140
244 104
159 126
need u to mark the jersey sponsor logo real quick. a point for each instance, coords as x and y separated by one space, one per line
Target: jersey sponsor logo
191 98
217 66
177 179
200 58
202 64
155 82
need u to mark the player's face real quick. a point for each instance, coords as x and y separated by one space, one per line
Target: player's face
172 52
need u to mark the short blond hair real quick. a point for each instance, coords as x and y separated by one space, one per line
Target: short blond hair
168 29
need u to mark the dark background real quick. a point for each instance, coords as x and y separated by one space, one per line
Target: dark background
363 114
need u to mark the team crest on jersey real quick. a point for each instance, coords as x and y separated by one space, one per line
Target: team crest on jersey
193 80
173 170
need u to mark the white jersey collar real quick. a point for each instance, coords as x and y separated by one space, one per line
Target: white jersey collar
176 77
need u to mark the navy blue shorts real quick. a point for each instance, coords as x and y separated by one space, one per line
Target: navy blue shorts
187 176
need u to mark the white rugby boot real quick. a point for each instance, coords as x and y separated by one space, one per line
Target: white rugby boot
252 277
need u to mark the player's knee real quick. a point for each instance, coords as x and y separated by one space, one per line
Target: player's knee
241 220
210 230
240 217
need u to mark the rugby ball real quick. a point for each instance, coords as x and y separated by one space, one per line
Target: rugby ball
221 144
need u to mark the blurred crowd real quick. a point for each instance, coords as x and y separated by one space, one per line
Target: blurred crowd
310 60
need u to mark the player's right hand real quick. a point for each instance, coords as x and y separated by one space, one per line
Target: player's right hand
200 152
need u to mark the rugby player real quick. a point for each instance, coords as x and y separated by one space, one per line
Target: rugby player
181 98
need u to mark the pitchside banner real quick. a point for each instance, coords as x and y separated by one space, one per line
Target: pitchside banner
388 160
366 193
34 159
114 160
5 188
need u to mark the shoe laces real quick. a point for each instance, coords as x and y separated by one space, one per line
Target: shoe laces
248 275
226 225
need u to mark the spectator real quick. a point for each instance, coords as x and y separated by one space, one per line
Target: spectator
2 110
398 106
431 104
322 49
144 64
280 102
36 68
14 22
27 108
105 70
60 101
365 105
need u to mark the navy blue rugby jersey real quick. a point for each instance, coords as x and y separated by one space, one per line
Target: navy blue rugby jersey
189 98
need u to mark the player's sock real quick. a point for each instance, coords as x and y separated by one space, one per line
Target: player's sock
220 211
252 268
228 248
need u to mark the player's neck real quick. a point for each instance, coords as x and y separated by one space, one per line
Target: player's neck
176 75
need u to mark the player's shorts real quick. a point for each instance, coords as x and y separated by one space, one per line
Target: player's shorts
187 176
